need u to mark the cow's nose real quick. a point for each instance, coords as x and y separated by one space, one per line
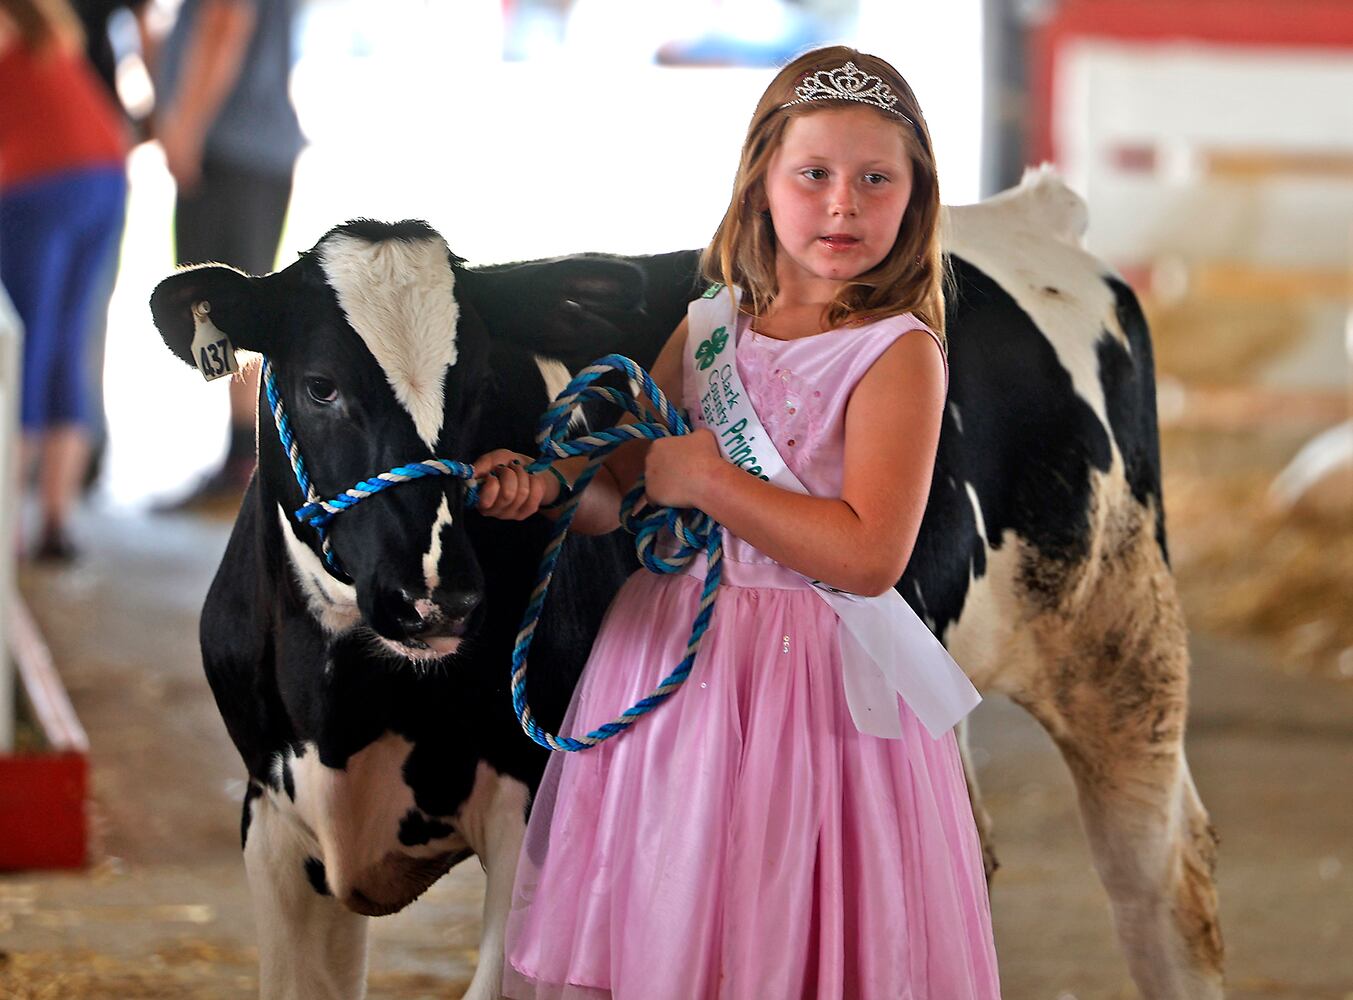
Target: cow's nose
395 616
456 605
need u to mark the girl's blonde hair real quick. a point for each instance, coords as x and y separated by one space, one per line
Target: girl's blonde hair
742 253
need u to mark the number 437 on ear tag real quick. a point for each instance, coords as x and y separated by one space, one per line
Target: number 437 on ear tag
212 352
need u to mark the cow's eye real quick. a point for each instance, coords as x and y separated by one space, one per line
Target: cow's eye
321 389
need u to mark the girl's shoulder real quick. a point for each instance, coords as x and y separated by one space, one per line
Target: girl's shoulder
856 348
893 327
881 332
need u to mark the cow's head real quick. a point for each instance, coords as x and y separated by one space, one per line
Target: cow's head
380 343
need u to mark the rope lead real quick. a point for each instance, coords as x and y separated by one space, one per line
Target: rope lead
694 530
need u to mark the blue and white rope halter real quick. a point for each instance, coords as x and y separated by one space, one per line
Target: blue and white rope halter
694 531
318 512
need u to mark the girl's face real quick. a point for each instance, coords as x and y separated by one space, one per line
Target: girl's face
837 188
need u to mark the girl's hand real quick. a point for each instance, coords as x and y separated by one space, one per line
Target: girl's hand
678 470
507 491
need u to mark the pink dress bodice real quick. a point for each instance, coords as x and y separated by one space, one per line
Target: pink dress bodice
800 390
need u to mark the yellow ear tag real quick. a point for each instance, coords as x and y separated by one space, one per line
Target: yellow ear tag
212 352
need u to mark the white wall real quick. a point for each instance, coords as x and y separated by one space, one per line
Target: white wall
1182 101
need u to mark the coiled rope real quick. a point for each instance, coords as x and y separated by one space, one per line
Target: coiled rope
695 531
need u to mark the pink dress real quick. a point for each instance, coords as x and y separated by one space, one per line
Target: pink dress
744 841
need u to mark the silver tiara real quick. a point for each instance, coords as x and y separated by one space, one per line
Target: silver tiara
847 83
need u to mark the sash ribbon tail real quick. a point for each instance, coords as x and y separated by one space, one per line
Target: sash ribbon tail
887 651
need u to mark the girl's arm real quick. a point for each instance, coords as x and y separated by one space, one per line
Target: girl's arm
509 493
212 61
860 542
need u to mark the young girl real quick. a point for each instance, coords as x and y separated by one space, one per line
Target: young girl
753 838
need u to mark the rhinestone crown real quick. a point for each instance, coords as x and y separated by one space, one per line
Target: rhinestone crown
847 83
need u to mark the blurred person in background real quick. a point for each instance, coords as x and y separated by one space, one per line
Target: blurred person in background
62 195
231 138
97 19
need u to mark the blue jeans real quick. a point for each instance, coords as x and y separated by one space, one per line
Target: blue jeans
56 236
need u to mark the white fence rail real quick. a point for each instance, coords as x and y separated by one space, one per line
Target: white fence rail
11 343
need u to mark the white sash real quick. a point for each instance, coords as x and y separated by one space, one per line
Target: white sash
886 650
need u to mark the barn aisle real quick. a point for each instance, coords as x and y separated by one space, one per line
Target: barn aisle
163 911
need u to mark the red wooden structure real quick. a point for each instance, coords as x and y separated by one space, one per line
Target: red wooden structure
43 794
1326 24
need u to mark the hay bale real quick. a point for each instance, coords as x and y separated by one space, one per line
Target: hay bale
1247 569
1220 341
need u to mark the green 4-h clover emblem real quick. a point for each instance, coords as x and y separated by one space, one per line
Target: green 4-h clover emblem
711 348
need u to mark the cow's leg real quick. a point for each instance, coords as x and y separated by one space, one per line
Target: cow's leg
1154 851
493 822
979 809
310 946
1114 698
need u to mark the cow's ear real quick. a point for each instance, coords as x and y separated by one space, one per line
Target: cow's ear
234 303
560 306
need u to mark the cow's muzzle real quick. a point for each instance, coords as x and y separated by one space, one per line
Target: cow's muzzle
424 626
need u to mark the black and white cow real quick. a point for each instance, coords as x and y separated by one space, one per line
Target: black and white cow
372 709
371 705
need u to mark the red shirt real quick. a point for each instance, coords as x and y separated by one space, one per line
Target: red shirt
54 116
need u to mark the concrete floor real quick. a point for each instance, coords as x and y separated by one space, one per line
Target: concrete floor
163 912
